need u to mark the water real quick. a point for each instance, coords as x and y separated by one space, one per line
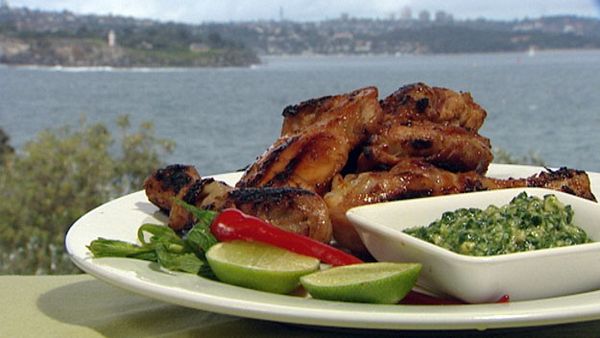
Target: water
221 119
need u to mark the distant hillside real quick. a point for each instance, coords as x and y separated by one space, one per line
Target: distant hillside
63 38
49 38
413 36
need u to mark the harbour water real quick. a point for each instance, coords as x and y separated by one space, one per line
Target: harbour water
221 119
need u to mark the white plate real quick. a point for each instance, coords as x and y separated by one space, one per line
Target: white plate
120 219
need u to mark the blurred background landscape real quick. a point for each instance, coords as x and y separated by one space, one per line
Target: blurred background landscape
37 37
95 96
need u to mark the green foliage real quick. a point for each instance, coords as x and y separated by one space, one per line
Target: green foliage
165 247
5 149
59 176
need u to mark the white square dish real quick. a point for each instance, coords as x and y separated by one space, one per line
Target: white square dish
522 276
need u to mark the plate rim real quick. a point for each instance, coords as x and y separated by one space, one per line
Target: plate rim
283 308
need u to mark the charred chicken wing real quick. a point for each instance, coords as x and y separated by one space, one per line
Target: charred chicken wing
204 194
417 102
165 183
413 178
293 209
318 136
419 141
436 124
449 147
296 210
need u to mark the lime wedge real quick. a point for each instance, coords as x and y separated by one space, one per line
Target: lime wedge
382 283
259 266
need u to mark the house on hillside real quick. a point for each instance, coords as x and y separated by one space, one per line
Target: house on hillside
112 38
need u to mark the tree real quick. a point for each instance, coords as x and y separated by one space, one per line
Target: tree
5 148
57 178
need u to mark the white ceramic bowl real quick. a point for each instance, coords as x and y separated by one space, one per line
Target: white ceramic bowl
522 276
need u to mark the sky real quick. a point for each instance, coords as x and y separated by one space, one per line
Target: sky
199 11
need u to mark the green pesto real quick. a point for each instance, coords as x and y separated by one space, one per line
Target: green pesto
526 223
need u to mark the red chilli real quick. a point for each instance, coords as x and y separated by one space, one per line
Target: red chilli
232 224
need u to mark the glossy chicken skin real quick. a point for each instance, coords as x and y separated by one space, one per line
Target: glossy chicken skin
435 124
418 102
425 138
293 209
296 210
164 184
317 138
571 181
413 178
449 147
205 194
322 111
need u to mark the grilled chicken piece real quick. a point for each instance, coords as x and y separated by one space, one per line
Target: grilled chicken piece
205 194
318 136
417 102
408 179
296 210
320 111
293 209
435 124
571 181
449 147
413 178
164 184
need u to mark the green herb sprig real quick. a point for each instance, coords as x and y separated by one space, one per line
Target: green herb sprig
161 244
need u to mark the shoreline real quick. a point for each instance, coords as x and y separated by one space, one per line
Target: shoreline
400 55
265 58
82 69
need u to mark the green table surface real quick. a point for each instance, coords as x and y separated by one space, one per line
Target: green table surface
81 306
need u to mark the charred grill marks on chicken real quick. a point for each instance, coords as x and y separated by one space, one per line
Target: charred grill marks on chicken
258 195
353 150
165 183
316 140
293 209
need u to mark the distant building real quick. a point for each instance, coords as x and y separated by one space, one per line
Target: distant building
406 13
146 45
443 17
112 38
362 46
199 47
342 36
4 4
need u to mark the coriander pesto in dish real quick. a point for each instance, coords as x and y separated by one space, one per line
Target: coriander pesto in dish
526 223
